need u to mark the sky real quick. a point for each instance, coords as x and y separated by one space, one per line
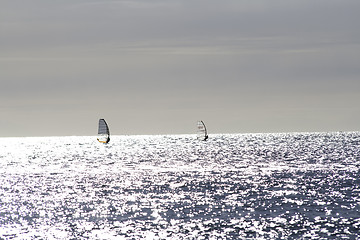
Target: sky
158 66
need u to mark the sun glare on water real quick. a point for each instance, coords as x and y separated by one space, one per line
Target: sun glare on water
301 185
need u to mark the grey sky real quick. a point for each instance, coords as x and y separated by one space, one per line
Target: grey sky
157 66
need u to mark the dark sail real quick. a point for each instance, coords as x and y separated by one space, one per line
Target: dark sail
103 132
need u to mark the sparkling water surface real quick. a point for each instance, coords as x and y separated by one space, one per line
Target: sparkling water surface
233 186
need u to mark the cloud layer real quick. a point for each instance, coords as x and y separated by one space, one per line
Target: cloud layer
154 67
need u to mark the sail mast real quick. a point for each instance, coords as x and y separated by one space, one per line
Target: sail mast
202 131
205 129
206 134
103 131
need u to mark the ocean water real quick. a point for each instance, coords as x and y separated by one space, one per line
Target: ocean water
234 186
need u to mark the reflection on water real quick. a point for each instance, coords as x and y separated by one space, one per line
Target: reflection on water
301 185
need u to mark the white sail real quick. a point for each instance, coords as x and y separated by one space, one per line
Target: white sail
103 132
201 131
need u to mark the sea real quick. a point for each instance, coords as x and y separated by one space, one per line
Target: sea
232 186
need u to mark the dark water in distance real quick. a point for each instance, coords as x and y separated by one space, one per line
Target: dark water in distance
234 186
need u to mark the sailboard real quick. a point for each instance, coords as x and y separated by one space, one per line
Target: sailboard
103 132
201 131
